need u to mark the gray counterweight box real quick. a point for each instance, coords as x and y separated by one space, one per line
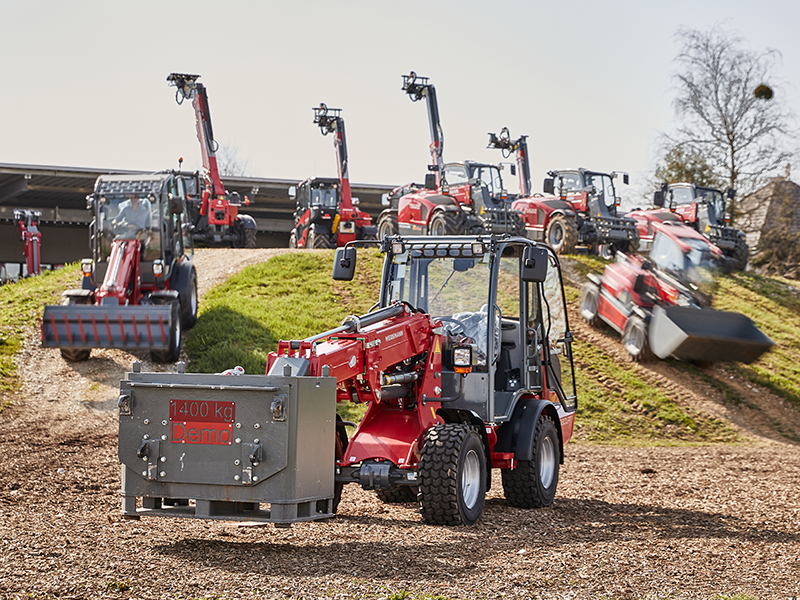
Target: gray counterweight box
223 447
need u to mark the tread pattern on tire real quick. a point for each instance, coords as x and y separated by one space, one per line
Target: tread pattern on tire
521 485
741 254
387 224
320 240
249 238
438 474
646 354
589 288
453 223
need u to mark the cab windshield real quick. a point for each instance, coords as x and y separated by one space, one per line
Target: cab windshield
129 216
490 177
697 266
603 185
325 197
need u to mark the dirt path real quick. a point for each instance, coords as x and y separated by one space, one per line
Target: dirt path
627 522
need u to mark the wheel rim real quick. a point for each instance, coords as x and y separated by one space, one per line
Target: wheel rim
547 464
438 228
193 301
471 479
604 251
556 234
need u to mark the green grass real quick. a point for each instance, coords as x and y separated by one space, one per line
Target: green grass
21 306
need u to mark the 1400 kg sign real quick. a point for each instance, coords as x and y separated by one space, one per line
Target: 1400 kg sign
201 422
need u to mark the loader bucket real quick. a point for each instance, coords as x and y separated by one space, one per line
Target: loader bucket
706 335
86 326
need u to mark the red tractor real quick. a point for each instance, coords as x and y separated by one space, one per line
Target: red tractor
465 364
140 287
215 216
701 208
458 198
661 304
31 237
326 215
583 212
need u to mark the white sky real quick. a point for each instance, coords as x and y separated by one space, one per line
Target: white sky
83 83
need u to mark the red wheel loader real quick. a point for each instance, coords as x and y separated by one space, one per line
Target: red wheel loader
140 287
465 364
31 237
326 215
701 208
661 305
215 216
458 198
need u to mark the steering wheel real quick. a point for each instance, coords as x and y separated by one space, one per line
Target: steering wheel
459 325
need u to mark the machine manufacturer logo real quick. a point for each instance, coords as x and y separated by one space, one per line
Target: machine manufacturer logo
201 422
393 336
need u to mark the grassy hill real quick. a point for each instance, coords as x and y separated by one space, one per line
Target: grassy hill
293 296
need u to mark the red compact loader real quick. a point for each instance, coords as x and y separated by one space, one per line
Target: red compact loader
465 364
31 237
326 215
457 199
661 305
140 287
215 216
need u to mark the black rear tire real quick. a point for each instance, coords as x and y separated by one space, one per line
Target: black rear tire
741 253
293 239
173 353
249 238
189 307
398 494
452 475
533 483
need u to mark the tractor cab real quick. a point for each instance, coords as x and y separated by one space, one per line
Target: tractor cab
688 259
589 191
476 183
506 331
698 205
148 208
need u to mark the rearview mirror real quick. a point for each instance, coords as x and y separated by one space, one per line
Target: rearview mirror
430 181
293 193
534 264
658 198
175 204
513 169
385 199
548 187
344 264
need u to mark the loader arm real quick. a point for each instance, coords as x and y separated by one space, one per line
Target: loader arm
418 88
520 148
331 121
189 87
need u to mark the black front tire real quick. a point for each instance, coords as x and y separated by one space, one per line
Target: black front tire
636 340
189 305
741 253
387 225
589 302
69 354
173 352
320 240
452 475
249 238
562 234
533 483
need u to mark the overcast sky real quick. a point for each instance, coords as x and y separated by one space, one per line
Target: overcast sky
83 83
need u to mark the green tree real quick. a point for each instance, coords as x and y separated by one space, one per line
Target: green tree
686 164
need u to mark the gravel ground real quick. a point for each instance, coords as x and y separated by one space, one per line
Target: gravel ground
687 522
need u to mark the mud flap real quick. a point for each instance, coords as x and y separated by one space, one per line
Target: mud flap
705 335
85 326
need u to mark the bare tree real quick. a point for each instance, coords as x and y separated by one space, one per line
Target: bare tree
229 163
741 136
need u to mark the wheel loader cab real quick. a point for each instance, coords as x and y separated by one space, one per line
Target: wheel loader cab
514 330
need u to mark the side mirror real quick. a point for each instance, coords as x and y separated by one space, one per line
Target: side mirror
344 264
534 264
625 179
355 201
730 193
430 181
549 187
175 204
385 199
638 283
293 193
513 169
658 198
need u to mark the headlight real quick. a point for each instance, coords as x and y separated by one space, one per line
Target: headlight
158 268
86 266
462 359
